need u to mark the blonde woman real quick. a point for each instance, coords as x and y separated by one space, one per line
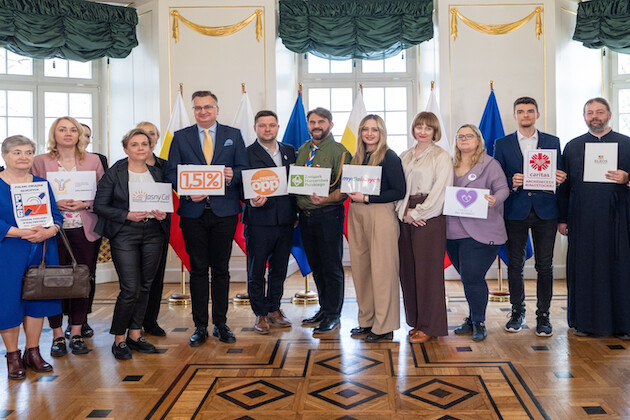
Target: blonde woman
373 236
66 153
473 244
422 244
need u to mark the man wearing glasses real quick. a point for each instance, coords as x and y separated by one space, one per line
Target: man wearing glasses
208 222
525 210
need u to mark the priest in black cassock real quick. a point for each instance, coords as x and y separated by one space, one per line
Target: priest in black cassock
595 216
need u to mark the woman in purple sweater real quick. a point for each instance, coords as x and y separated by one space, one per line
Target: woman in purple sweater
473 244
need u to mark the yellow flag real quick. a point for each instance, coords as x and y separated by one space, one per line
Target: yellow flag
351 133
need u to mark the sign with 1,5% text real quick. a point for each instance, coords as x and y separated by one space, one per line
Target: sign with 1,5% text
200 180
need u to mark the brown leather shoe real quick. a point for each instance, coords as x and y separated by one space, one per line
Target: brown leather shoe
419 337
412 332
261 326
278 319
15 367
33 360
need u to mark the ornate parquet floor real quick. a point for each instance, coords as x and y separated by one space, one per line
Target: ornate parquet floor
288 374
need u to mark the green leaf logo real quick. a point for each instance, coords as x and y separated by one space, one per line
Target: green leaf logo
297 180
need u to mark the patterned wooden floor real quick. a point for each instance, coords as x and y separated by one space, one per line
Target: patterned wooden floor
288 374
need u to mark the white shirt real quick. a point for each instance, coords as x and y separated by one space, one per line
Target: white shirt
527 143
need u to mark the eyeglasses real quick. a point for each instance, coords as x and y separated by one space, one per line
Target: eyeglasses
204 108
466 136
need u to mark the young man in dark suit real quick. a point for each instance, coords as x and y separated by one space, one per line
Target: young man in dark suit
269 223
208 222
528 209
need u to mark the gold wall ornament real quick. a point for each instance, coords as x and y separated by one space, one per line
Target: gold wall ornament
217 30
499 29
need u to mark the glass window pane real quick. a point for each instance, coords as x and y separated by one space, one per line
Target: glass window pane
396 64
3 102
396 99
344 66
397 143
3 61
20 103
317 65
80 105
623 63
20 65
56 67
48 122
3 128
20 125
624 101
396 122
79 70
374 98
55 104
341 120
341 99
318 97
372 66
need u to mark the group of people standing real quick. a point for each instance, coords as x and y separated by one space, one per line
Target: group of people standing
397 237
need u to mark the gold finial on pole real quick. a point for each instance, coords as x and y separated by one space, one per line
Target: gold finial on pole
181 89
432 84
300 87
361 87
491 85
242 87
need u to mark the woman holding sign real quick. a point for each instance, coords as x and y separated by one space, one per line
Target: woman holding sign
136 238
66 153
20 249
422 243
373 235
473 243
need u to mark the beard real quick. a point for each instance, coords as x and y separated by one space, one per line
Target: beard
319 134
597 126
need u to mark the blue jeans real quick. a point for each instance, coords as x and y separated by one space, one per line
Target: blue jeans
472 260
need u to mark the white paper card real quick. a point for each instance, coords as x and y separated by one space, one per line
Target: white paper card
79 185
599 158
540 169
306 180
267 182
466 202
147 196
361 178
200 180
31 204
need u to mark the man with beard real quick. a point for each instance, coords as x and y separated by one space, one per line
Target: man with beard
594 215
321 220
528 209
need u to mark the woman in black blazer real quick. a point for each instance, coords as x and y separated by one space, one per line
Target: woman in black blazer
136 239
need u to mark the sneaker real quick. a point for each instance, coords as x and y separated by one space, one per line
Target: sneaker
479 331
121 351
516 322
465 328
543 326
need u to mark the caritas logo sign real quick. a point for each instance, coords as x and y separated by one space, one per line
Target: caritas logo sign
265 182
540 162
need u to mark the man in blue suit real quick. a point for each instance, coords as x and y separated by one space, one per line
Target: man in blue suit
269 225
528 209
208 222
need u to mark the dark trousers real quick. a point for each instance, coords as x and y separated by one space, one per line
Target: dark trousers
544 236
322 234
157 286
208 240
85 252
472 260
273 244
97 243
136 251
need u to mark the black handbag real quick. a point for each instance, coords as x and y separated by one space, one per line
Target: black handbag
41 282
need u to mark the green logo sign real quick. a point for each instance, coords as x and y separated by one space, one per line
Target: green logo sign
297 180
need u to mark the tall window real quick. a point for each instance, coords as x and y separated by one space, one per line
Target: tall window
620 71
388 87
33 93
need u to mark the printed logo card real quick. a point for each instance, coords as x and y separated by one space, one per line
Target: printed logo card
466 202
268 182
361 178
200 180
147 196
80 185
599 158
305 180
540 169
31 204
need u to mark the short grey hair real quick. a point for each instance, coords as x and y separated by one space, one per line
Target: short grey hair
17 140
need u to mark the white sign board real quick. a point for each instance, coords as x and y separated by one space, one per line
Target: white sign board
200 180
466 202
539 167
147 196
306 180
361 178
599 158
31 204
79 185
267 182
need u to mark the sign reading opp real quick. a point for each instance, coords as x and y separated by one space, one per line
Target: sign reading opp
267 182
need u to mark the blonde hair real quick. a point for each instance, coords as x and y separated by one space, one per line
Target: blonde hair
144 123
430 120
481 148
381 148
52 142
